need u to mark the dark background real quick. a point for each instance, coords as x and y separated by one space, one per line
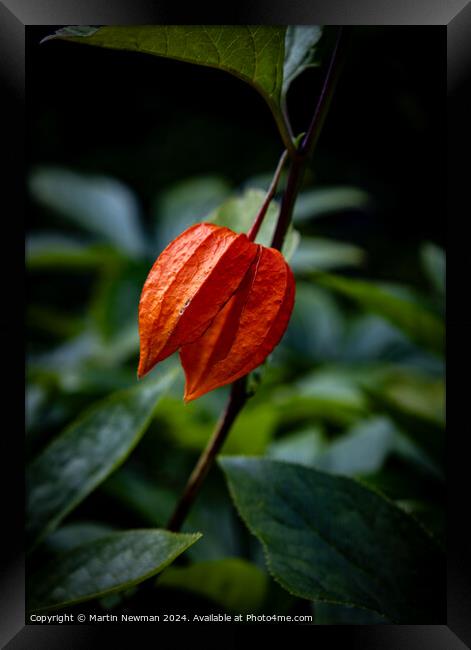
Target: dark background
151 122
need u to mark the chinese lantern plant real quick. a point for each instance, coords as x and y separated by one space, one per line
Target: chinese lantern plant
221 299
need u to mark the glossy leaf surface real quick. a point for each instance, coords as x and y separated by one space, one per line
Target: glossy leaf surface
109 564
329 538
80 458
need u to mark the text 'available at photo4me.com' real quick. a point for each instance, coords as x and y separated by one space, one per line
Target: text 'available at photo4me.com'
54 619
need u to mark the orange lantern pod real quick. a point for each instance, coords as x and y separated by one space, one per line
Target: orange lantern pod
220 299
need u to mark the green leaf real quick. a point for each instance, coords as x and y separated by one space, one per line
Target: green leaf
59 252
232 583
329 538
239 212
154 502
314 254
295 410
73 30
185 203
395 304
312 204
371 338
253 53
399 479
416 393
99 204
301 447
190 426
362 449
316 328
252 430
80 458
425 432
331 387
329 614
300 51
431 515
75 534
115 300
110 564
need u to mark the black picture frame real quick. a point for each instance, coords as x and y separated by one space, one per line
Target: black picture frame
15 16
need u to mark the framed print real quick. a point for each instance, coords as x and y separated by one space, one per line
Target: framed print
235 257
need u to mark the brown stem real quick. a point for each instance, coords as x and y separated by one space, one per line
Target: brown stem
237 399
328 87
253 232
295 175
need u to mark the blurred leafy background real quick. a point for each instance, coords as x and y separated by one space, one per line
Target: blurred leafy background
126 151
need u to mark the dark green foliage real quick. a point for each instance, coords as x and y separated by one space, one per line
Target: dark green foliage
335 464
328 538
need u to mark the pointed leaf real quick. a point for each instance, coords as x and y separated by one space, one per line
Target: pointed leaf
315 203
300 51
100 204
110 564
80 458
182 204
239 212
314 254
253 53
398 306
330 614
426 432
330 538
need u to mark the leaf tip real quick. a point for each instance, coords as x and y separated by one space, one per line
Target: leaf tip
72 31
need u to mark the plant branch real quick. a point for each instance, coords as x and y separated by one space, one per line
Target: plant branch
251 235
236 402
238 396
284 127
310 139
306 148
295 175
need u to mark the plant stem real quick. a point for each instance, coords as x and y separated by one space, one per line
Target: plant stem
310 139
238 396
236 402
284 127
251 235
306 148
295 174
